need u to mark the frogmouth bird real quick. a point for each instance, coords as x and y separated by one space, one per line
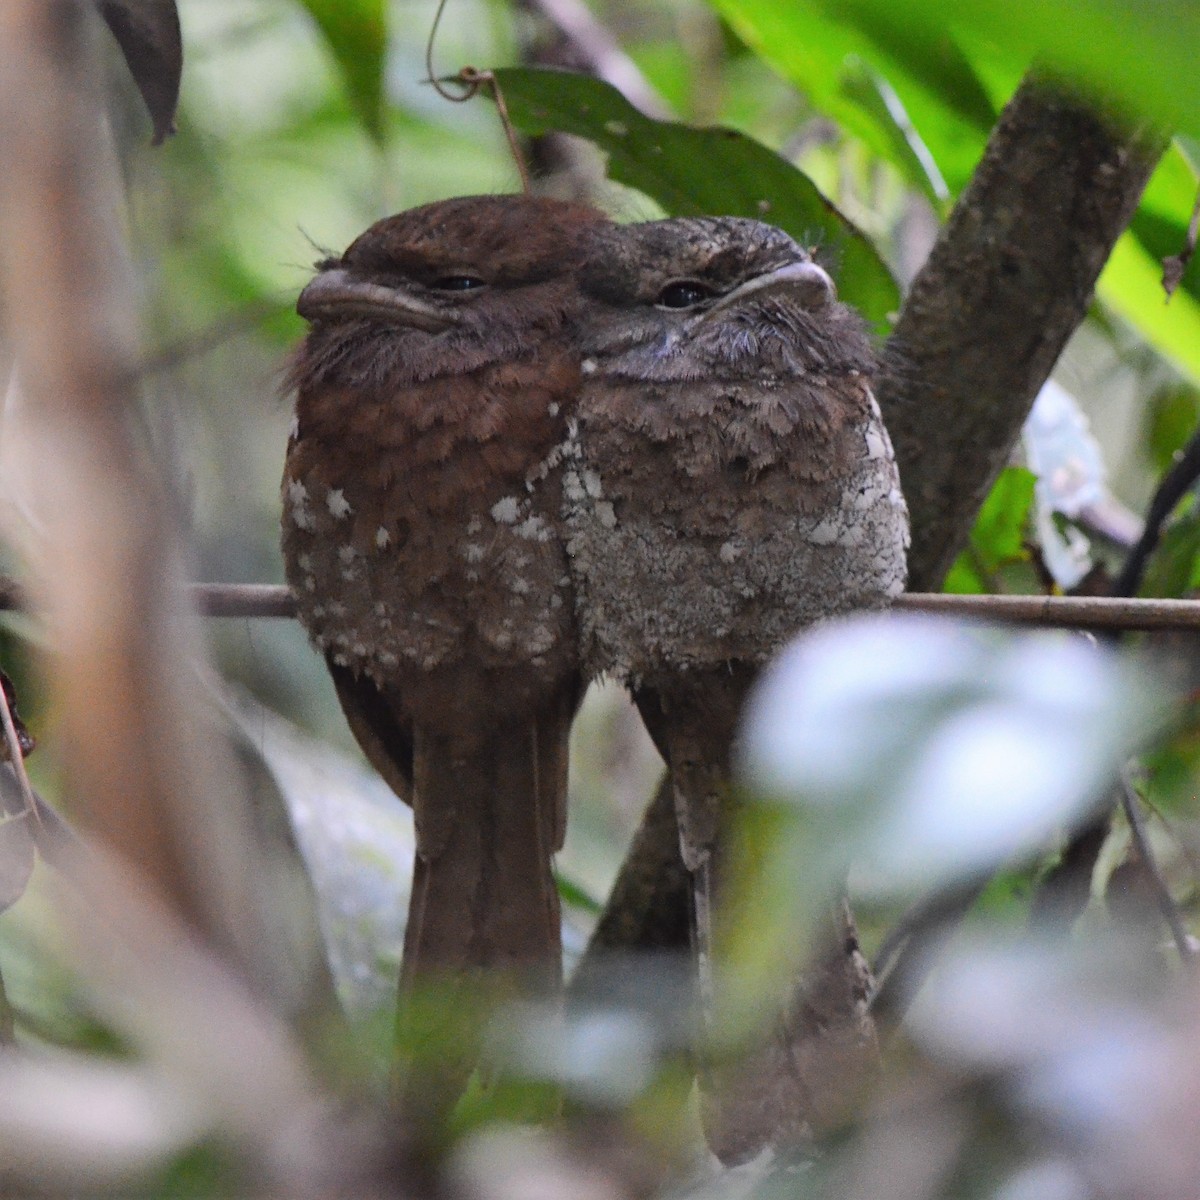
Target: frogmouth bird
731 484
422 539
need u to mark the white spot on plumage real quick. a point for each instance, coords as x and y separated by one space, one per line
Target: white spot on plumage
573 487
506 510
519 587
474 525
382 537
534 529
728 552
552 408
337 504
605 514
472 552
592 484
294 427
588 366
347 554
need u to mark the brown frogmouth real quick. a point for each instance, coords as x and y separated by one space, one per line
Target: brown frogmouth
422 539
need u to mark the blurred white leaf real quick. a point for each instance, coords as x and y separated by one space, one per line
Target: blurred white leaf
1051 1179
356 837
1093 1055
925 750
1071 476
603 1056
1062 453
17 854
71 1122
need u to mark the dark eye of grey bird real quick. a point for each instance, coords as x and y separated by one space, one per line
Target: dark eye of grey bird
457 283
682 294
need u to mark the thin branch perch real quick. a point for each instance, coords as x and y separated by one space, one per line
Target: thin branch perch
246 600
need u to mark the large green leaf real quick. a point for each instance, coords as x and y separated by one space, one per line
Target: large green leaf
356 32
1140 56
824 52
691 171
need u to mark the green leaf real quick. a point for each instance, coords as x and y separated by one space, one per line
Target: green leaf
875 95
999 534
1189 148
822 49
1138 56
692 172
356 32
1173 569
1172 416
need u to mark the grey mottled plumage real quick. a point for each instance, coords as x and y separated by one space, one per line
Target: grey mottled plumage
729 483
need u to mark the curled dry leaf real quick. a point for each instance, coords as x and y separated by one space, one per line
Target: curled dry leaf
150 39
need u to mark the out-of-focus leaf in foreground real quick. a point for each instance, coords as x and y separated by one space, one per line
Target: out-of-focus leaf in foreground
82 1125
357 841
1088 1048
148 33
694 172
912 754
919 752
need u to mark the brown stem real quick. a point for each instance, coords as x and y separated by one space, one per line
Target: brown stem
1007 283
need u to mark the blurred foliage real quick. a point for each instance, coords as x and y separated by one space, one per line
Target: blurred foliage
301 121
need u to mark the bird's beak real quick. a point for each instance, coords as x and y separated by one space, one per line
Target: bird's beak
337 295
802 281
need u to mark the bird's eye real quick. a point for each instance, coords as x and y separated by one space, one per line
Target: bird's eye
458 283
683 294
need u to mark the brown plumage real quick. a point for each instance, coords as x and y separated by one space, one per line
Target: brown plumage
731 484
421 536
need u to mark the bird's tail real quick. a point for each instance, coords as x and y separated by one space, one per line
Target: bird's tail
484 920
793 1078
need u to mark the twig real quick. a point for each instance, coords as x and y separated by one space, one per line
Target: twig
1063 612
245 600
1174 486
1130 804
471 80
